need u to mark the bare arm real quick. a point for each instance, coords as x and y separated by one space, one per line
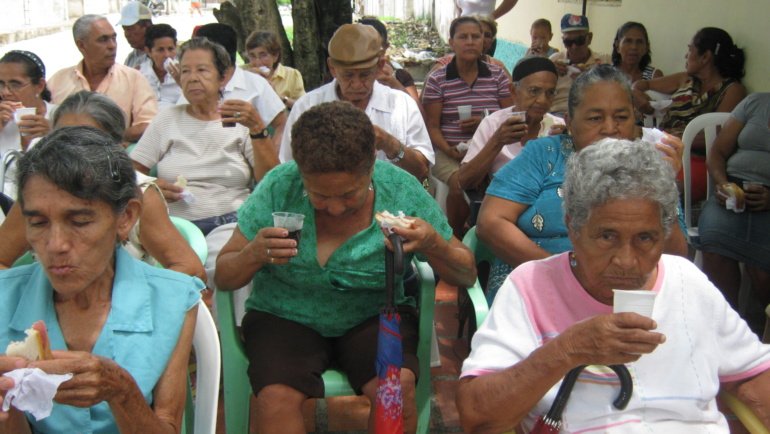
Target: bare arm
472 173
497 228
413 161
134 132
265 157
13 234
240 259
278 124
755 393
723 147
498 402
504 8
265 154
97 379
163 241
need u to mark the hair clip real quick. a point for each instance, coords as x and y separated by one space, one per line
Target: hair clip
716 49
114 172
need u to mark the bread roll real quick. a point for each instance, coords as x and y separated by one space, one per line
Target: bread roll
35 347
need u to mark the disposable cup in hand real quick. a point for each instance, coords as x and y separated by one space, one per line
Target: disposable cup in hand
748 185
521 115
464 111
24 111
290 221
639 301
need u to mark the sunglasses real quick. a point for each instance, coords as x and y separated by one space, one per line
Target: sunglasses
580 40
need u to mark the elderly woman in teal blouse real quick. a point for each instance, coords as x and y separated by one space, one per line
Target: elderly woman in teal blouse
121 327
316 302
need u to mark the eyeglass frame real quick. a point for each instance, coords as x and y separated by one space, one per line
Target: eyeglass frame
12 86
535 91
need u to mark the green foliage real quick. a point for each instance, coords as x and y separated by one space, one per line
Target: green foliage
289 33
283 2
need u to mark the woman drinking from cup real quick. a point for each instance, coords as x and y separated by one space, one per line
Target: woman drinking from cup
317 300
25 108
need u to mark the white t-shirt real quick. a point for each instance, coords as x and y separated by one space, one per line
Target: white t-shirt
216 161
11 140
392 110
487 129
247 86
167 92
476 7
674 386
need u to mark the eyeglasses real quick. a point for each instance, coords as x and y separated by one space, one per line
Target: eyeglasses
579 41
13 86
488 35
535 92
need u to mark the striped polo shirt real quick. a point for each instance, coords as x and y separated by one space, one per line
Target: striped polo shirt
447 87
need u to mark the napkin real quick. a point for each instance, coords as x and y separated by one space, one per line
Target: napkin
33 391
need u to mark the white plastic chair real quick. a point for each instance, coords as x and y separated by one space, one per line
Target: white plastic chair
707 123
209 364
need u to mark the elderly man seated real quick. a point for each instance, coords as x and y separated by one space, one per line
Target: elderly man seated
355 60
98 72
135 18
560 315
576 58
501 135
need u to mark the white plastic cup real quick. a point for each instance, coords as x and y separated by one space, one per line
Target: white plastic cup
464 111
23 111
639 301
519 114
290 221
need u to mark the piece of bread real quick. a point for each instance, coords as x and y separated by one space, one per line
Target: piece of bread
388 220
35 347
735 193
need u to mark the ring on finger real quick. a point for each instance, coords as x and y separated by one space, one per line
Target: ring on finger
236 115
272 259
268 252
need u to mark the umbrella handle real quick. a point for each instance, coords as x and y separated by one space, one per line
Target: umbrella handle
398 253
626 386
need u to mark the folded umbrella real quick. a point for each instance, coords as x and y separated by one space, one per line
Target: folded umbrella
389 405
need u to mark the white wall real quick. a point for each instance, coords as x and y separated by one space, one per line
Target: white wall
38 13
670 23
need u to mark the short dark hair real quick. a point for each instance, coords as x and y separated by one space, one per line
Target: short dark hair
728 58
462 20
379 26
221 58
84 162
268 40
542 22
616 58
333 137
223 35
158 31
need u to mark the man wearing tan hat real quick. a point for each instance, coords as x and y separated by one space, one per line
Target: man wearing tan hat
135 18
355 59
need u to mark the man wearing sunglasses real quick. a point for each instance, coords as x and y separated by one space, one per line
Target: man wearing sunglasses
575 59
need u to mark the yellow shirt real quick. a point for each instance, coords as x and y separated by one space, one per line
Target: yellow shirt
287 82
123 85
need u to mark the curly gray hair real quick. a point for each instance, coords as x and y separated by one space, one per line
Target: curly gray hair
618 169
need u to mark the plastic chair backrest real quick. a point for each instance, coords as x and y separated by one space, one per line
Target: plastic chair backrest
209 363
707 123
193 236
8 157
237 390
744 414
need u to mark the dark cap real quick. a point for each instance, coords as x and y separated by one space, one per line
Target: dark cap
355 46
570 23
530 65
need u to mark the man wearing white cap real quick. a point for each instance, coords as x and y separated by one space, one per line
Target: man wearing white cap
135 19
355 59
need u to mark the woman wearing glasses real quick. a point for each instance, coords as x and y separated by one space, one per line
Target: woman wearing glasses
264 52
22 84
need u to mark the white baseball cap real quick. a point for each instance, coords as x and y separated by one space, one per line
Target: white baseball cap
132 12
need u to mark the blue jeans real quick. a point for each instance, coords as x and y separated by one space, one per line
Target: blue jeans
210 223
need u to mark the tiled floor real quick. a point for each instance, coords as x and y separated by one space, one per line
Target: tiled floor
348 414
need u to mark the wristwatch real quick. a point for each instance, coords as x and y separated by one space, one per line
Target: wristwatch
399 156
260 135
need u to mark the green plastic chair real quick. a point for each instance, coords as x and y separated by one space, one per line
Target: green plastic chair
471 302
237 390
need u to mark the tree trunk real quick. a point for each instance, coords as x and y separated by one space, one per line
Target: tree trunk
308 51
245 16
